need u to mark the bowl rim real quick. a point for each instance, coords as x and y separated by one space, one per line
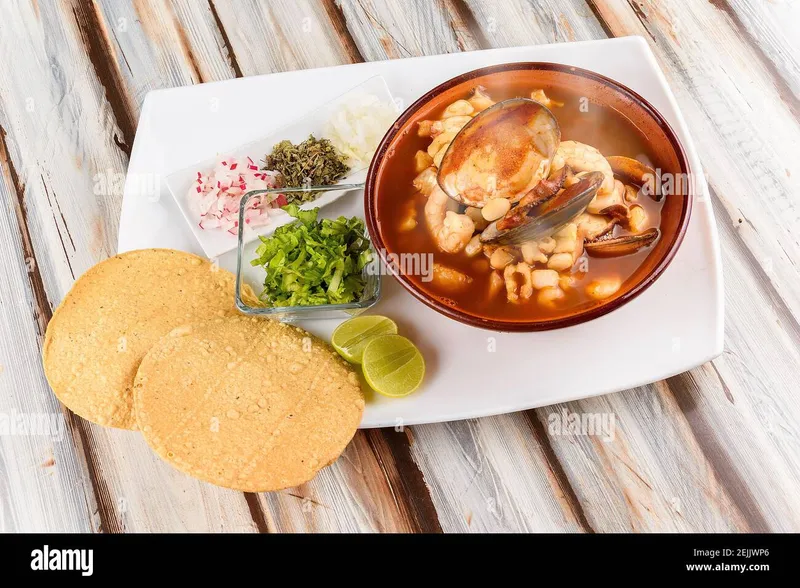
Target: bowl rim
370 202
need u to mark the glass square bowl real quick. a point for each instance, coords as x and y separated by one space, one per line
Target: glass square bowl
248 275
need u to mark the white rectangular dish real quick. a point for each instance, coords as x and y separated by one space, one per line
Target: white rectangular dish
470 372
215 242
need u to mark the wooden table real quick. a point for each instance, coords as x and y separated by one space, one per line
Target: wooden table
714 449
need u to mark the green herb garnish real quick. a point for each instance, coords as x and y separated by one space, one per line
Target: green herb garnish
314 162
311 262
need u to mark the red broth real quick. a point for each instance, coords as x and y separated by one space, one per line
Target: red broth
607 129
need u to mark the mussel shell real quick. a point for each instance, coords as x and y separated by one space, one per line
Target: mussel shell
622 245
498 125
543 191
545 219
634 172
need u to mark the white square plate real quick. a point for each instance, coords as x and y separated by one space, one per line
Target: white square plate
215 242
674 326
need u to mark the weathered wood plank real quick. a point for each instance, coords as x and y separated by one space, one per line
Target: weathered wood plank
515 22
43 484
41 251
391 30
650 474
158 44
771 29
493 475
743 407
363 491
61 153
281 36
749 409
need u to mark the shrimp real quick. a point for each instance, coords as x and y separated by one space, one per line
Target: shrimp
458 108
480 100
544 100
612 203
516 291
449 279
426 181
451 231
581 157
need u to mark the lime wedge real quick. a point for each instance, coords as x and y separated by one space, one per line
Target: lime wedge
393 366
350 338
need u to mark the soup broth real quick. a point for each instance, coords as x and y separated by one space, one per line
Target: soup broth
609 130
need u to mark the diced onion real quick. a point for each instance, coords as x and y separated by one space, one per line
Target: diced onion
357 127
216 196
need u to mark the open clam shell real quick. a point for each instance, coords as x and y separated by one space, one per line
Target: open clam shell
502 152
545 219
622 245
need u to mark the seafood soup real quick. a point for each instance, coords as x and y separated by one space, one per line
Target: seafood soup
481 210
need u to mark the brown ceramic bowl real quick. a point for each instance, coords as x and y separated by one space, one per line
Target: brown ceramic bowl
600 91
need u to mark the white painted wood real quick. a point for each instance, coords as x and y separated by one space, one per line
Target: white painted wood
773 26
43 486
391 30
59 152
281 36
160 44
516 22
353 495
749 143
490 475
650 474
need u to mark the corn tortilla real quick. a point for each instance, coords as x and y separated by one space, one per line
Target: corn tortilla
247 403
112 316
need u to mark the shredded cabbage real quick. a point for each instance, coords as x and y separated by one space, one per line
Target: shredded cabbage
311 262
